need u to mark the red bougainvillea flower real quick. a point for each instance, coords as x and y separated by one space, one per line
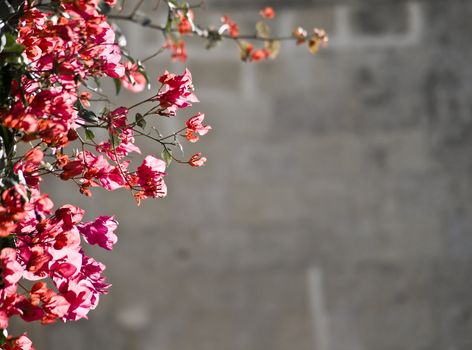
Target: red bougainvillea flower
108 176
268 12
150 176
12 208
118 128
196 128
29 166
44 304
177 91
231 26
125 147
133 79
197 160
260 54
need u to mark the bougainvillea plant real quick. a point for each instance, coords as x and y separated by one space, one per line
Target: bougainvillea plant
53 55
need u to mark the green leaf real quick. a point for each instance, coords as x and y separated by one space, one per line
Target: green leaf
114 140
104 8
7 141
140 121
7 242
9 44
117 82
96 79
3 337
167 156
88 116
89 135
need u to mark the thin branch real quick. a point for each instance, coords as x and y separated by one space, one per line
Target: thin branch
158 52
204 33
136 8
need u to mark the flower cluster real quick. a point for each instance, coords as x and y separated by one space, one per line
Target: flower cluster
51 61
61 50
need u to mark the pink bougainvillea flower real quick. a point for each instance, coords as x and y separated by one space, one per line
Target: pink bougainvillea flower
176 92
133 79
118 128
125 147
29 166
81 296
177 49
117 118
197 160
20 343
150 176
100 232
92 271
196 128
11 270
91 166
84 98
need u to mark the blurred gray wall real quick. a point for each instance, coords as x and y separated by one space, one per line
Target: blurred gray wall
334 212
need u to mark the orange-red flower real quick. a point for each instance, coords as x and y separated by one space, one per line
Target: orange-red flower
197 160
196 128
268 12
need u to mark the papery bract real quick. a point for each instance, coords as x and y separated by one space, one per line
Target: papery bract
20 343
100 232
268 12
233 27
196 128
177 91
133 79
197 160
150 176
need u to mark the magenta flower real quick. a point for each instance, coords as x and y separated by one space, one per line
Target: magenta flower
177 91
150 176
100 232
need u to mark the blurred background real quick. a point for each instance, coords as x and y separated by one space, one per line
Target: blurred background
334 212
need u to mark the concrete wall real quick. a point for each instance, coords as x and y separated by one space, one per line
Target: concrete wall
334 212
